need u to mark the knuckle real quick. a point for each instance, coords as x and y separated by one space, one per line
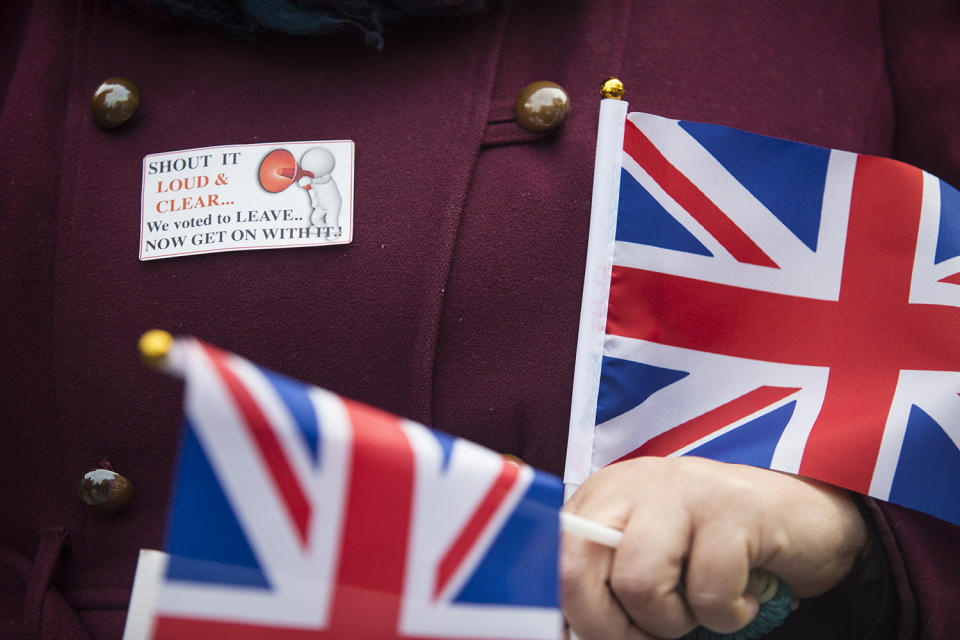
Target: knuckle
780 541
719 613
633 589
707 601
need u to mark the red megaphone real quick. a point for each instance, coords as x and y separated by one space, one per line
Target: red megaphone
279 170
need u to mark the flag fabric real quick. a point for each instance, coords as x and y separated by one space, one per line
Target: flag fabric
300 514
771 303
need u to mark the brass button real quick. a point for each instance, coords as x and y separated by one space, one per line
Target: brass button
114 102
541 106
104 490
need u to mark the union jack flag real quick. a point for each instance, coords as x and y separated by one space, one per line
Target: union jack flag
771 303
299 514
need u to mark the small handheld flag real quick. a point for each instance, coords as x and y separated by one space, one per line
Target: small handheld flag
770 303
297 513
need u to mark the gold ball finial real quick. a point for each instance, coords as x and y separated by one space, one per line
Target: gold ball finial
155 345
509 457
611 88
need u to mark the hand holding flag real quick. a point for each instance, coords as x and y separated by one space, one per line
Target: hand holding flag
703 525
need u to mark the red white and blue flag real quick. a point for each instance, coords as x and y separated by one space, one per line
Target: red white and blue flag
299 514
770 303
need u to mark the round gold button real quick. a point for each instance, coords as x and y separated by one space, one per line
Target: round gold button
104 490
114 102
541 106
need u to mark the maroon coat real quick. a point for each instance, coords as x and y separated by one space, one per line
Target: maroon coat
457 302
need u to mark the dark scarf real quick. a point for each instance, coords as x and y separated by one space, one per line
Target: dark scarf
248 18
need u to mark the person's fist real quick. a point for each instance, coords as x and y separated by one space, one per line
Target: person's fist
693 528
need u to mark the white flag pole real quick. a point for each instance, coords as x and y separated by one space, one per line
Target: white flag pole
151 567
590 530
596 283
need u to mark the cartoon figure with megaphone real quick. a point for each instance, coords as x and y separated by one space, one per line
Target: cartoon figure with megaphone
314 173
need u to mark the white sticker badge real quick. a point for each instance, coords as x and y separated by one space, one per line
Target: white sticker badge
253 196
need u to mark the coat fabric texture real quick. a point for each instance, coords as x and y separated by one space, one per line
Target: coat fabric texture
457 302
